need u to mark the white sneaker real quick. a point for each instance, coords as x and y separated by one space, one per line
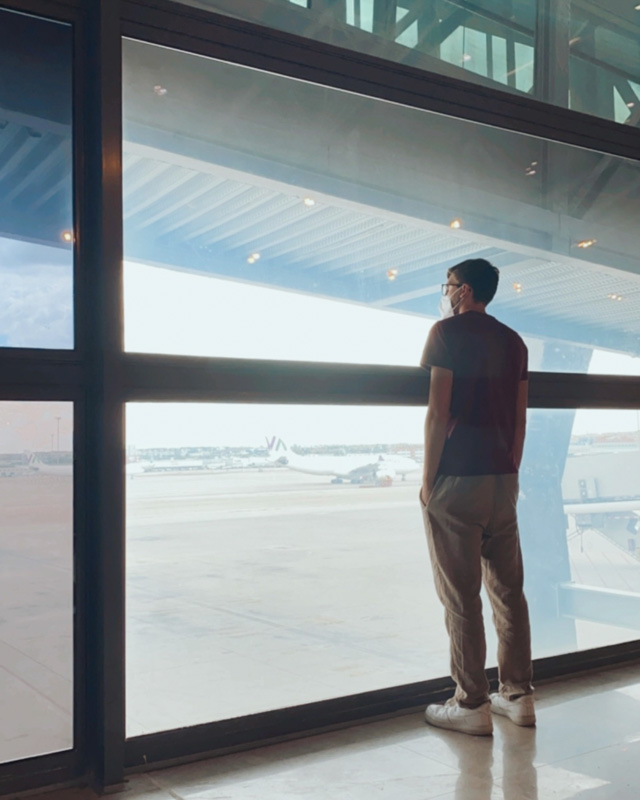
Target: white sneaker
475 721
520 711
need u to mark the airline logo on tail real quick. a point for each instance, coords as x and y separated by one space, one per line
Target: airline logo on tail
274 444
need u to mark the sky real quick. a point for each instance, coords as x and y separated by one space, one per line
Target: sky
36 286
226 425
34 426
173 312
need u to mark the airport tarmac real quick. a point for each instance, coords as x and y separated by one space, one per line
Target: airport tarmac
36 615
291 589
247 591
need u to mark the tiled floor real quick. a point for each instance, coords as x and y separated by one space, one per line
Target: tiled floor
586 747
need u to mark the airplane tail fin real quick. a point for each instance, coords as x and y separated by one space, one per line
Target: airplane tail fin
277 448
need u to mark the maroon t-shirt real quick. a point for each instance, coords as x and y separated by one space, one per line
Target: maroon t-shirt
488 361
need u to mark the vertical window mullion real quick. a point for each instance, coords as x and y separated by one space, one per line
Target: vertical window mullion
100 338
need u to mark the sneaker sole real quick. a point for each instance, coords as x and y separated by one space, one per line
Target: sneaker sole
524 721
451 726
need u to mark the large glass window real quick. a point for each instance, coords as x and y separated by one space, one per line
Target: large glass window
276 554
271 218
36 579
491 43
36 218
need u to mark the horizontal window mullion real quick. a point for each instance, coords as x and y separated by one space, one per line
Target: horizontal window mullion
63 10
39 772
236 380
43 377
553 390
185 379
210 34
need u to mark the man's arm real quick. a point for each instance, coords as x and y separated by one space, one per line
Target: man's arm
435 427
521 421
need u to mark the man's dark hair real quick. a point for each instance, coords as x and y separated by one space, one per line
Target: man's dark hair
481 276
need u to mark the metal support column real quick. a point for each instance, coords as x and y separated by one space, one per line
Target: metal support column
384 18
551 70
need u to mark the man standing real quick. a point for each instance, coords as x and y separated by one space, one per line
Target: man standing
474 437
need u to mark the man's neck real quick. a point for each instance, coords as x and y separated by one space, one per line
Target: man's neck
471 305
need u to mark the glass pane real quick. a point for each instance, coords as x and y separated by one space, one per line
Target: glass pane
605 60
475 42
36 215
276 554
491 43
252 586
36 579
270 218
579 514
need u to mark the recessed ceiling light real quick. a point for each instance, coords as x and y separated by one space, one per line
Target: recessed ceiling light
466 57
160 90
255 256
614 296
455 223
309 202
392 274
251 260
630 104
586 243
67 236
517 287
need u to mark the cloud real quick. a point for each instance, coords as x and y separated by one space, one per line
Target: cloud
36 291
18 255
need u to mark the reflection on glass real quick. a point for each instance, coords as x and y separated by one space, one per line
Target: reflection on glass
326 238
478 42
276 554
36 579
605 60
36 217
579 516
485 42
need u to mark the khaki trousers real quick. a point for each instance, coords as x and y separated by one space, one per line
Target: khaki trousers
472 531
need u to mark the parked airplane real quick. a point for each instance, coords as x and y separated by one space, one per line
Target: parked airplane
175 465
356 468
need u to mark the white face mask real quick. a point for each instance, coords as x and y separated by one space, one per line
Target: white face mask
446 307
